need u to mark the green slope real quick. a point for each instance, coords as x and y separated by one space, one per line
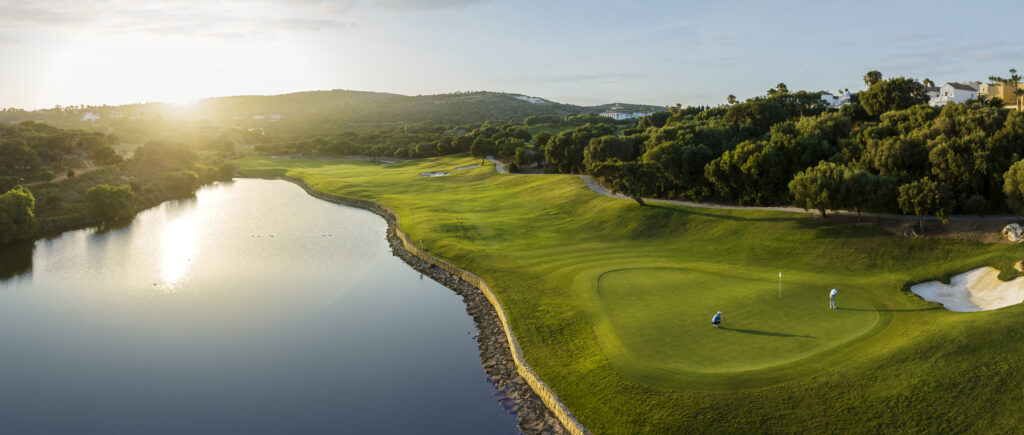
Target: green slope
612 303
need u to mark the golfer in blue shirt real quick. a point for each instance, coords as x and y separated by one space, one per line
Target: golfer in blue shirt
715 321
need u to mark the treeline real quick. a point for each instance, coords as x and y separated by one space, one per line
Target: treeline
423 140
38 152
886 151
155 173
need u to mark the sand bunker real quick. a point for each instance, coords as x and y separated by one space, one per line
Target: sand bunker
975 290
466 167
434 174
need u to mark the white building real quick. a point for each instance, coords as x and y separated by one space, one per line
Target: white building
89 116
955 93
932 92
618 113
533 100
835 100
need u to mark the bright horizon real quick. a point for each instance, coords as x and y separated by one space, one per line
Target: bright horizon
661 53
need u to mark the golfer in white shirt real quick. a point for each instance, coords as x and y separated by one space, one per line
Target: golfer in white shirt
832 299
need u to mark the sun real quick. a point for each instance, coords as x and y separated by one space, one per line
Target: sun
182 103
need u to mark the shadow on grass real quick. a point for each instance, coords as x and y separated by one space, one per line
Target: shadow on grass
696 211
771 334
887 310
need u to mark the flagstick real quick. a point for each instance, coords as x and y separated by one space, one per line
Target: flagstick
780 285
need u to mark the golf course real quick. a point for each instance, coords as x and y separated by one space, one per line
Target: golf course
611 303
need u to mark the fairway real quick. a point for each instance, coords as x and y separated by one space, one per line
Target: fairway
661 319
612 302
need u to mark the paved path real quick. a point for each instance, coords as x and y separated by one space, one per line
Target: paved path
597 187
498 166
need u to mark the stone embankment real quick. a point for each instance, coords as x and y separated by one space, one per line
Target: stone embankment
523 394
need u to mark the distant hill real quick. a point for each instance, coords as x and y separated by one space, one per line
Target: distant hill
301 114
352 107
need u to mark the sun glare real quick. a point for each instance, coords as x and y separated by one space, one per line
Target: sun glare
183 103
179 246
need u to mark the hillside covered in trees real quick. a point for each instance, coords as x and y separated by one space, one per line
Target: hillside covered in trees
299 116
31 205
886 151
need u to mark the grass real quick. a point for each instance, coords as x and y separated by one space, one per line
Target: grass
612 302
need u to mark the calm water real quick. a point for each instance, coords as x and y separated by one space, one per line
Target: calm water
251 308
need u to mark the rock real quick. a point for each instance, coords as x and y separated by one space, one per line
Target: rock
910 231
1019 266
1014 233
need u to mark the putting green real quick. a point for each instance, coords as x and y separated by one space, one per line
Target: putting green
611 303
660 319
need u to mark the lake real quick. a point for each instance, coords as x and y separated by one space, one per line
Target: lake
252 308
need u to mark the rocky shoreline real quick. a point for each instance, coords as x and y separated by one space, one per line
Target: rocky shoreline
517 397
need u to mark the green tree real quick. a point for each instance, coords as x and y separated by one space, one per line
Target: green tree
541 138
462 143
923 197
7 182
633 179
17 215
226 171
892 94
864 191
656 120
819 187
107 155
482 147
524 157
928 82
110 202
872 77
755 172
606 148
564 152
1013 187
507 147
682 165
731 99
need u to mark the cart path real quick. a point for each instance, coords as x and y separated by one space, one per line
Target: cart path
596 186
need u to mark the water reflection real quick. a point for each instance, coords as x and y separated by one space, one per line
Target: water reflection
178 247
318 329
16 259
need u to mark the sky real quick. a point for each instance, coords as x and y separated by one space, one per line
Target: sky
96 52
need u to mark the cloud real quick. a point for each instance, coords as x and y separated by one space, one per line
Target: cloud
595 77
225 19
427 4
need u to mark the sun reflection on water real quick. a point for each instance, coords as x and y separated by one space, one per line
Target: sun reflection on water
179 247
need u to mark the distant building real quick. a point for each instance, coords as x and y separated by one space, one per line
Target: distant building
835 100
1002 92
89 116
932 92
619 113
955 93
259 117
533 100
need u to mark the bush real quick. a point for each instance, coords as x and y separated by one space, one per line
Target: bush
107 202
17 215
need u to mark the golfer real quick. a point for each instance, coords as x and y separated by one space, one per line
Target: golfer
832 299
715 321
